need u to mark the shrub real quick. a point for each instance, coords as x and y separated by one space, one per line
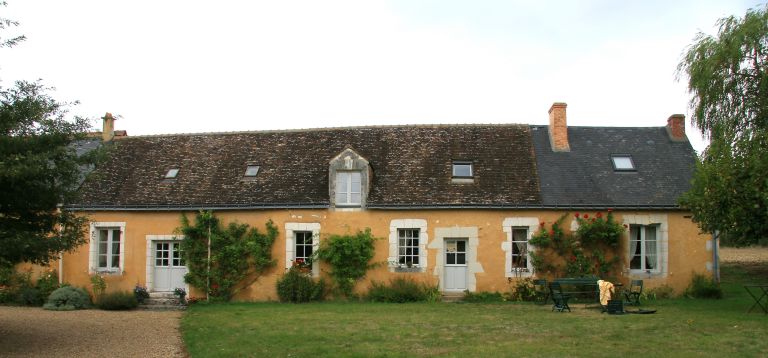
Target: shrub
401 290
523 290
68 298
117 301
659 293
46 284
703 287
349 257
482 297
297 287
141 293
29 296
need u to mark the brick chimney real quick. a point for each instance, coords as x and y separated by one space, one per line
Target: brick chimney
676 127
108 129
558 128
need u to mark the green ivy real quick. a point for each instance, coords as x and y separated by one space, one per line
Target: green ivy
237 252
349 257
581 253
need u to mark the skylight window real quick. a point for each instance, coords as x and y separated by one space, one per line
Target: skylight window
172 173
251 170
462 169
623 162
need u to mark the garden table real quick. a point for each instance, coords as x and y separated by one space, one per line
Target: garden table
760 294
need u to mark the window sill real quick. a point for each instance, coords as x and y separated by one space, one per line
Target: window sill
108 272
407 269
462 180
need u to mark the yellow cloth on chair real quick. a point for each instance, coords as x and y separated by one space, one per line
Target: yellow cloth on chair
606 290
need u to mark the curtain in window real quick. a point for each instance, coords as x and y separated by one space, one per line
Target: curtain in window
650 248
634 241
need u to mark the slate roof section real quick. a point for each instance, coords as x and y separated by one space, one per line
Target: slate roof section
411 167
584 177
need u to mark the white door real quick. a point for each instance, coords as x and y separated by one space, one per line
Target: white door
169 266
455 264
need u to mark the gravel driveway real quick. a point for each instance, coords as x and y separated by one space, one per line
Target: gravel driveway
34 332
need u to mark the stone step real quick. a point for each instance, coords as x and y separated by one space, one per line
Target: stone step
453 296
162 301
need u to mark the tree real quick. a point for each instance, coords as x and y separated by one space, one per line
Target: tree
39 174
5 24
728 79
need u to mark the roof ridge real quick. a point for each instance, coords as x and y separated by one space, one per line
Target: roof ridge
324 129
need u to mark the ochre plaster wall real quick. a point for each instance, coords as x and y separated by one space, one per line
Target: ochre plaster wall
688 251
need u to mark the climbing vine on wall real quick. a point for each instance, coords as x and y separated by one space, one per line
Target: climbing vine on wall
349 257
592 249
238 252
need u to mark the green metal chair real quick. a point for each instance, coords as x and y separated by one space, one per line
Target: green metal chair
632 295
559 299
541 291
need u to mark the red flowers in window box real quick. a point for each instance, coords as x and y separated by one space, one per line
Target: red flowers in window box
576 215
599 215
586 216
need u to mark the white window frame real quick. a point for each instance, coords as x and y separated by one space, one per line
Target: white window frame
512 254
457 163
403 238
93 262
347 193
643 244
508 226
662 244
394 244
290 243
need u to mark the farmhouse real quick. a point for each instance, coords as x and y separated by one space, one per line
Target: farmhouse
455 204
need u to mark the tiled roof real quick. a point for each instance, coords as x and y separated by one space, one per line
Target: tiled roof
411 166
585 176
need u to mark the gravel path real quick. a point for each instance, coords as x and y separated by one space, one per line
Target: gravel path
34 332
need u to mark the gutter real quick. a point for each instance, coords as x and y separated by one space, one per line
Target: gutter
372 207
194 207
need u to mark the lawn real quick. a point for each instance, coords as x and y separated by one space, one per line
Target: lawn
680 328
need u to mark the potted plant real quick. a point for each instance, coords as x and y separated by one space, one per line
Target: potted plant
181 293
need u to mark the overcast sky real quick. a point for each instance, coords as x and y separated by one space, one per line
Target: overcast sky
211 66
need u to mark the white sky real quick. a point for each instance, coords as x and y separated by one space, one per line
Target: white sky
211 66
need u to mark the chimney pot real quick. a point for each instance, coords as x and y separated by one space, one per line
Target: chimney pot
676 127
558 128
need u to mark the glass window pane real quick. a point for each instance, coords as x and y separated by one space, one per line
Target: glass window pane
308 250
158 262
354 198
103 236
462 169
102 248
450 259
461 259
461 246
103 261
623 163
251 170
115 261
116 248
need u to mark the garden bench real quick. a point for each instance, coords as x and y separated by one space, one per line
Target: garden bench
585 287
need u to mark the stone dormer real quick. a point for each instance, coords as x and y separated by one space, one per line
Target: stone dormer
349 178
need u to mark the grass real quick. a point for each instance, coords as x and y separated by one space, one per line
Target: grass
680 328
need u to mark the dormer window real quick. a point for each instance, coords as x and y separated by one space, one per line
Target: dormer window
251 171
348 188
623 163
349 178
462 169
171 173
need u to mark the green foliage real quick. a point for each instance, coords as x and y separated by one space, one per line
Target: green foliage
39 170
141 293
349 257
297 287
46 284
237 252
482 297
703 287
582 253
7 23
402 290
523 290
662 292
68 298
98 285
728 79
117 301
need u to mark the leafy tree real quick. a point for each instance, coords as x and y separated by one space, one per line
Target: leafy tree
349 257
5 24
728 79
39 173
237 252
